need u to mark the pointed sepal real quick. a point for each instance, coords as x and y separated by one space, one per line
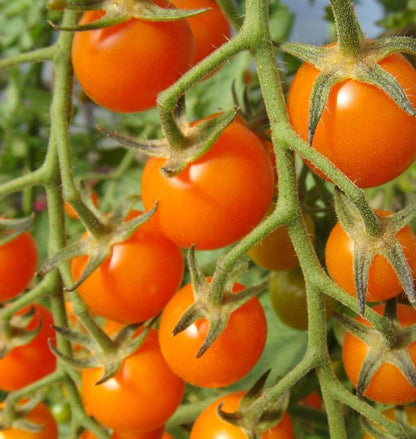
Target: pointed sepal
12 228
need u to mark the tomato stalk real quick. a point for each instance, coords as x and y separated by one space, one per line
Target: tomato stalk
349 33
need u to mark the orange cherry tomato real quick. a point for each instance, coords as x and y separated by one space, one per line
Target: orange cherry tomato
362 130
28 363
135 59
18 262
142 395
232 355
138 278
209 425
218 198
388 385
383 282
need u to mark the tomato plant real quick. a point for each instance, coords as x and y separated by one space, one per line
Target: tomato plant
383 282
275 251
142 395
209 425
155 434
210 29
18 263
30 362
390 413
388 384
223 194
128 286
362 131
39 415
136 59
232 355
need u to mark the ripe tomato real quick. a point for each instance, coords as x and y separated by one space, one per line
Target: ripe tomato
39 415
28 363
390 413
138 278
219 197
313 400
142 395
154 434
362 130
135 59
383 282
388 385
210 29
209 425
18 262
275 251
232 355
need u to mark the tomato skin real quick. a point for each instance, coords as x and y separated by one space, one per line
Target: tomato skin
209 425
388 385
140 397
275 251
390 413
232 355
218 198
136 59
18 262
28 363
155 434
383 282
362 130
128 286
39 415
210 29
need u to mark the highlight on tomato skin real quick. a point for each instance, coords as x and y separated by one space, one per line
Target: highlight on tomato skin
208 425
231 356
130 285
142 395
223 195
136 59
18 263
362 131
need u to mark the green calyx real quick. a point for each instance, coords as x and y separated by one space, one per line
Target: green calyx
382 241
123 344
12 228
190 141
336 66
117 11
207 305
99 246
14 416
380 351
252 416
14 333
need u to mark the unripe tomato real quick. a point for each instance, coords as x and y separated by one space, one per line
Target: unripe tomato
362 131
125 66
18 262
138 278
210 29
142 395
209 425
388 384
232 355
218 198
383 282
28 363
39 415
275 251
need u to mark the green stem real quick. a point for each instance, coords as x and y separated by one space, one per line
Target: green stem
231 12
349 33
38 55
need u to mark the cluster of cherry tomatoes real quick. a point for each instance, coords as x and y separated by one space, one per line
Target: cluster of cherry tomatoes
206 207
